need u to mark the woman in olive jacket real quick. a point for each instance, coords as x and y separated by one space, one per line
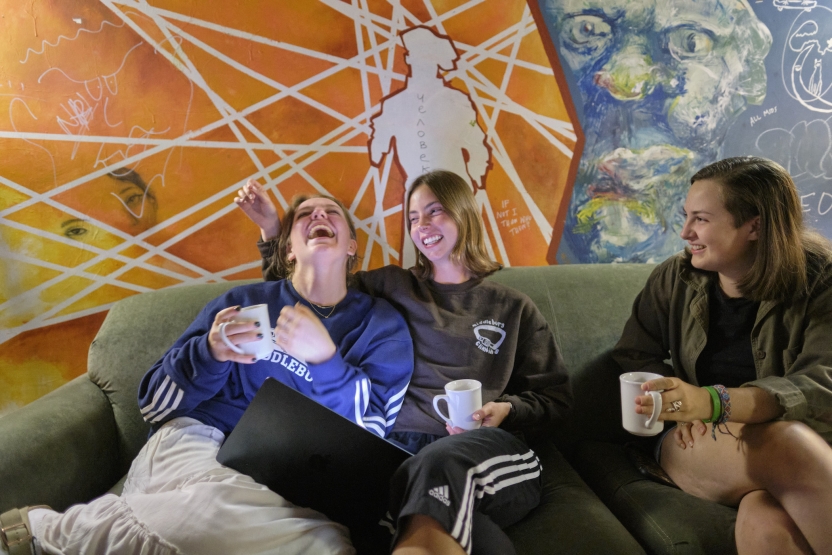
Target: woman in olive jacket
744 316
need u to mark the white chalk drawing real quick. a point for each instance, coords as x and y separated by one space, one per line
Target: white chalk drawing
807 55
805 150
806 5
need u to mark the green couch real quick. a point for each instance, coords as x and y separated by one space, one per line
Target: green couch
77 442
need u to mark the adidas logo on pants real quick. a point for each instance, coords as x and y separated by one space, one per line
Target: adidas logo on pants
440 493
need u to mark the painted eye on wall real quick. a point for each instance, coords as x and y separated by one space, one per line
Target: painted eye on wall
76 230
686 43
586 34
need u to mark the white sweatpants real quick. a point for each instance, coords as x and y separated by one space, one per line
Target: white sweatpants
179 499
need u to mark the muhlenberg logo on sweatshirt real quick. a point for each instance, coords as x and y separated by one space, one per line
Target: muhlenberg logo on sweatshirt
490 335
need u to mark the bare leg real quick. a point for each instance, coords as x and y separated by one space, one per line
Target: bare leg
786 459
422 535
764 528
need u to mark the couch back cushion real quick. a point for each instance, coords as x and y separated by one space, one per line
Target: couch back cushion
136 332
586 306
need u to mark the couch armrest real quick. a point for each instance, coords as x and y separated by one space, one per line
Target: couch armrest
60 449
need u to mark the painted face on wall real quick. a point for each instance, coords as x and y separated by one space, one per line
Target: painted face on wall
661 82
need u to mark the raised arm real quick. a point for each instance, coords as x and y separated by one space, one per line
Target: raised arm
258 206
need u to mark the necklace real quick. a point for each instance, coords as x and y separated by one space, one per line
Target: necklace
315 307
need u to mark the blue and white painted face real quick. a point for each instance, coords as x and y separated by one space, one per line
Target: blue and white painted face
660 83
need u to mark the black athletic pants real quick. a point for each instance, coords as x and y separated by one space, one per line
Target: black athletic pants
473 484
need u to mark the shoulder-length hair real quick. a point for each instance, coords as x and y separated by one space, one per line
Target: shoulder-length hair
280 263
457 198
752 187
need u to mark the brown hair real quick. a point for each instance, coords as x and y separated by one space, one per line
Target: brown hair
457 198
754 187
280 262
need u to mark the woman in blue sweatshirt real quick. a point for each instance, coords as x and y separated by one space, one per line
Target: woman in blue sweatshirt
345 349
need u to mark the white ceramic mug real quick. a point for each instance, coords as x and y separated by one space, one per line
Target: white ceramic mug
263 347
639 424
463 398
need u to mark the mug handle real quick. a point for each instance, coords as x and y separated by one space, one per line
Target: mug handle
657 408
436 400
227 341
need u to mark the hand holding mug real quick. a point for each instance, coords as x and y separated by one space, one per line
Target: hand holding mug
240 334
464 399
681 401
639 420
301 334
491 415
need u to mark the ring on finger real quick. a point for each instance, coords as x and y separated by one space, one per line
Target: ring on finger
675 406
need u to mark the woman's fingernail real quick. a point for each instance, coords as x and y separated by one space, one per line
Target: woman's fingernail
257 324
690 443
237 308
253 359
259 336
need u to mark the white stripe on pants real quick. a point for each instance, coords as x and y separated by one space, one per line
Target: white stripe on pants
179 499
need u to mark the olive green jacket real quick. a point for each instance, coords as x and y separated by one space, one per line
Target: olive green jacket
791 341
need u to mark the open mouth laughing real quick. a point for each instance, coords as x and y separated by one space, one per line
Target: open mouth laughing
431 240
320 231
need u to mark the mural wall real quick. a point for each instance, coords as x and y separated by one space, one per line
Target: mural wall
664 87
126 128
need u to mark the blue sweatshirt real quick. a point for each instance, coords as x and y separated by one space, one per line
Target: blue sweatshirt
365 381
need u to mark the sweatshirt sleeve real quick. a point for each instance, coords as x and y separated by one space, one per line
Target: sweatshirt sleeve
805 389
539 388
185 375
367 383
270 272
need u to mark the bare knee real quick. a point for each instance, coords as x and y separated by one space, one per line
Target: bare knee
786 448
764 527
422 535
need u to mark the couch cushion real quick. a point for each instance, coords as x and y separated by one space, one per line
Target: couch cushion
136 332
665 520
586 306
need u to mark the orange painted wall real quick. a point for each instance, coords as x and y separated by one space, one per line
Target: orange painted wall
125 132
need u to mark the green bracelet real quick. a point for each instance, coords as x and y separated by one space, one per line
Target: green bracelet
717 404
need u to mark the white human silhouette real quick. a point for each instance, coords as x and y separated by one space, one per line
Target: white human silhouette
430 124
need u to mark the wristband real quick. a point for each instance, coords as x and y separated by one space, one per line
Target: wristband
724 410
725 404
715 403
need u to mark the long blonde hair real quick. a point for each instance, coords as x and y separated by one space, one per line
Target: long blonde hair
457 198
